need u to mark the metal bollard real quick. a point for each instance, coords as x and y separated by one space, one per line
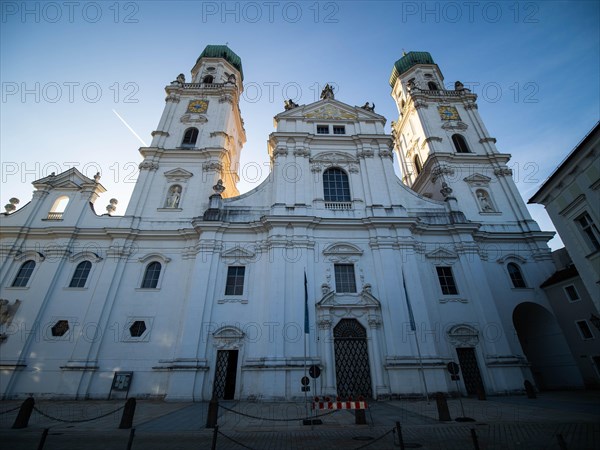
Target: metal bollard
529 389
481 393
213 413
214 440
475 440
400 437
360 417
561 442
128 413
442 407
130 441
22 419
43 439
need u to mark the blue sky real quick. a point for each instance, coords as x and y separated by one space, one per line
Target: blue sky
66 70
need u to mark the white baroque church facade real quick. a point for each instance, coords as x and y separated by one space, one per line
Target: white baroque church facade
199 291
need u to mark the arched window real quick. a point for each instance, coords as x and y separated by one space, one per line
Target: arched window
81 274
335 185
24 274
515 275
58 208
418 165
190 137
460 144
432 86
208 79
151 275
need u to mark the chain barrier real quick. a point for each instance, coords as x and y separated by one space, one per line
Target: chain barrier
376 439
76 420
277 420
10 410
234 441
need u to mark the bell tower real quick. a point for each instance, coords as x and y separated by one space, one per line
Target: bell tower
197 142
443 143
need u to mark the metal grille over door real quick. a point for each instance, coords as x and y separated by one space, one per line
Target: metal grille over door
352 372
470 370
225 374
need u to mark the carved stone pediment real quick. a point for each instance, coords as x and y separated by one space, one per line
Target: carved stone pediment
477 179
178 174
511 257
441 253
228 332
463 335
238 253
69 179
228 337
193 118
333 158
342 251
330 112
455 125
361 300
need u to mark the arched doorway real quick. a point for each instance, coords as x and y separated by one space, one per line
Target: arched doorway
352 371
545 347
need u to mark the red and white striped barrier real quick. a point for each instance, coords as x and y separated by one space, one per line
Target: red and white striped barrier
348 404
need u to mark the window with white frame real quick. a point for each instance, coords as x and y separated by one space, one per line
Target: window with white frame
339 129
336 187
322 129
584 330
446 279
24 274
151 275
572 293
589 230
345 282
516 276
235 280
81 274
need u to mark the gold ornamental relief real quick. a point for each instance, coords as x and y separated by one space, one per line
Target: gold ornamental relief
329 112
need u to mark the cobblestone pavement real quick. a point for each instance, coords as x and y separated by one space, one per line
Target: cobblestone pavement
514 422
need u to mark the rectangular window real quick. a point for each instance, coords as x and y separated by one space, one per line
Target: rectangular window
590 230
322 129
344 278
572 293
446 280
235 280
584 330
339 129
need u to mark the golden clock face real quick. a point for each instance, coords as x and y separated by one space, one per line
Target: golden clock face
198 106
448 113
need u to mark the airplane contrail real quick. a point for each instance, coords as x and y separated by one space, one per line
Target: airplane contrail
130 129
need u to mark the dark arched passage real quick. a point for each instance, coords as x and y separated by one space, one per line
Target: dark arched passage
545 347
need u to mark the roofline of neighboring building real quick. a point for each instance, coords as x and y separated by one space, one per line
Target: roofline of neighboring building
560 276
567 158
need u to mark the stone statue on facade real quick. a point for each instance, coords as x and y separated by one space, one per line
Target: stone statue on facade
367 107
446 190
7 311
327 92
180 78
484 201
174 197
289 104
219 188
